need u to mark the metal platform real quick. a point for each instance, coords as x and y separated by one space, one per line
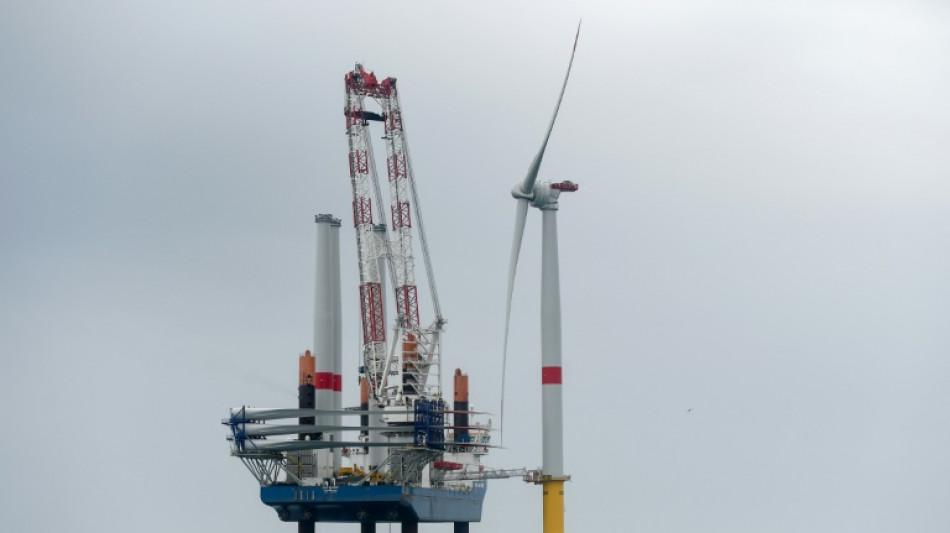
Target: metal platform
380 503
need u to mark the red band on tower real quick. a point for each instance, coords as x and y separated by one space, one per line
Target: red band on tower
337 383
550 375
323 381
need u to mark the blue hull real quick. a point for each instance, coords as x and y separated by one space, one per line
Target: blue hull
381 503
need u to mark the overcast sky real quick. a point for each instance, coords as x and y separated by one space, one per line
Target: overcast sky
760 237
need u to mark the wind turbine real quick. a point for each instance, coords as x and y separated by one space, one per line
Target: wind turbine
544 196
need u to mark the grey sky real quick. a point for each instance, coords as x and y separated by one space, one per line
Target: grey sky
760 236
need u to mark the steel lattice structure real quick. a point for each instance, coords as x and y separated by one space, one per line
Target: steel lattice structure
407 303
369 246
416 362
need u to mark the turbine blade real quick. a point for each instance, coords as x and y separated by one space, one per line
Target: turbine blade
528 185
253 414
266 430
521 216
251 446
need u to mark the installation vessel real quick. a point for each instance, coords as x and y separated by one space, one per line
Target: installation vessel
409 456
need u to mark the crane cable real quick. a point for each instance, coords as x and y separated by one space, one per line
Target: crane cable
430 276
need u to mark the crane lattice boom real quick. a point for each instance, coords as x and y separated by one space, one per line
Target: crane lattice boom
414 354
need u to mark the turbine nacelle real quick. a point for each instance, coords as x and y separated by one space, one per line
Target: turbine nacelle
544 194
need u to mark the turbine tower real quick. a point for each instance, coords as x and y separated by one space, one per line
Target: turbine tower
544 196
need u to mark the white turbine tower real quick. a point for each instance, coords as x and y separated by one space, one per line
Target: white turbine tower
544 196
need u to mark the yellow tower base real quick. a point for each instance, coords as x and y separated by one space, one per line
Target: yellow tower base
553 502
553 505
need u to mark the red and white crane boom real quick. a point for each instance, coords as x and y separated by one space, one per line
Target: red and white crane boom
369 247
413 357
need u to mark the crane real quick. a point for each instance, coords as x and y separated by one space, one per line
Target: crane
410 368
